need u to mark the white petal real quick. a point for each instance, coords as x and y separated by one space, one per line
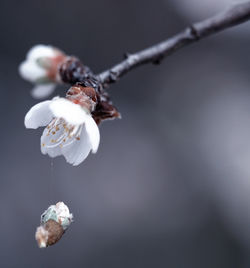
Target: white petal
52 152
93 132
63 214
74 144
31 71
47 146
40 51
42 91
76 152
39 115
72 113
62 210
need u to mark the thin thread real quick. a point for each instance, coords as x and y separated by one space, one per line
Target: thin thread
52 181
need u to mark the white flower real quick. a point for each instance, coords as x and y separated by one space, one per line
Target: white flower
41 69
71 130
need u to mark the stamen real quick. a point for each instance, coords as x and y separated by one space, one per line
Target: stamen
69 132
78 133
56 142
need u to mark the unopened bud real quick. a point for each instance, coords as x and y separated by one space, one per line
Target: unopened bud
54 222
41 64
41 68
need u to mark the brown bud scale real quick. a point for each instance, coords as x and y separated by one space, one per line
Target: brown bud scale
49 233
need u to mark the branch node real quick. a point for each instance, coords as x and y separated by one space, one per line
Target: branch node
194 33
158 60
113 76
126 55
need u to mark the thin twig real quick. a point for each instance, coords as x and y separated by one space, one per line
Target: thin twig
233 16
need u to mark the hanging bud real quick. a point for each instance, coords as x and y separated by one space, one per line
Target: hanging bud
54 222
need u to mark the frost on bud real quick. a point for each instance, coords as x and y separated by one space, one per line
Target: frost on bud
54 222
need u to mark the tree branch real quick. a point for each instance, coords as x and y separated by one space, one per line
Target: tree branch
233 16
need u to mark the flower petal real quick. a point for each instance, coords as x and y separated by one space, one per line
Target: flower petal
72 113
42 91
93 133
39 115
48 145
31 71
40 51
77 151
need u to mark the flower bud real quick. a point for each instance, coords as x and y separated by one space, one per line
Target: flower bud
54 222
41 64
41 68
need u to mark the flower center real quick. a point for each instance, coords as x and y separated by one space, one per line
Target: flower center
60 133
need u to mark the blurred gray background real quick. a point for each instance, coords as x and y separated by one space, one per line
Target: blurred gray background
170 184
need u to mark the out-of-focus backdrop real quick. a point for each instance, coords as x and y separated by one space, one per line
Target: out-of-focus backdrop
170 184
